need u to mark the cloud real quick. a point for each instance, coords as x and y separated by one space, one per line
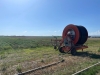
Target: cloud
95 33
55 31
25 31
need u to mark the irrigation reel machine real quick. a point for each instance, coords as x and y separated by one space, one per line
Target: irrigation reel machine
73 38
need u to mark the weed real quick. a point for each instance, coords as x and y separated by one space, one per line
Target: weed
3 67
3 56
99 49
19 69
42 61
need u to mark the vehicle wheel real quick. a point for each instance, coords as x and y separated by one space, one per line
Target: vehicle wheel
60 50
73 51
55 47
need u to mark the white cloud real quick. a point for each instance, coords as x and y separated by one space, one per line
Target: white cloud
55 31
95 33
25 31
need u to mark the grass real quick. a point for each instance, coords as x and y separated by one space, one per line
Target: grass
18 59
18 69
99 49
92 71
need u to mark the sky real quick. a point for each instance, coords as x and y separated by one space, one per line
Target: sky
48 17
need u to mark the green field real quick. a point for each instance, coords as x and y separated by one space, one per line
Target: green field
23 53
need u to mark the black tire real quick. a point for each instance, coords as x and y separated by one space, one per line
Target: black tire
60 50
73 51
83 35
55 47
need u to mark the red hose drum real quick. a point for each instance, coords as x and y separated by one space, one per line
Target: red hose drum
79 34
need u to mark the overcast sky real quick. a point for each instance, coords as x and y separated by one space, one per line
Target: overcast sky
48 17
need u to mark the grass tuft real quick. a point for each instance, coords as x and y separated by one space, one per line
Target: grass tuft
19 69
99 49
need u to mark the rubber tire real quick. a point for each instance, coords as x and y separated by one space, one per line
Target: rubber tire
83 35
55 47
60 50
73 51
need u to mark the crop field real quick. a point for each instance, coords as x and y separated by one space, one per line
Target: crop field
21 53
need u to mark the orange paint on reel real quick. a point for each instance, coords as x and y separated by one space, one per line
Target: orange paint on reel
67 28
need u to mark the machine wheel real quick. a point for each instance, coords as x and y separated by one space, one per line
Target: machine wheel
55 47
73 51
60 50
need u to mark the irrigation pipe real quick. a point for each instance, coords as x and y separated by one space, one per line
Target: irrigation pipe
32 70
86 68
